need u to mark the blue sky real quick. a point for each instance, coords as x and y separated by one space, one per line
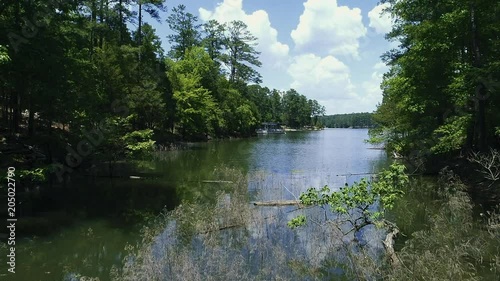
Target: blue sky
328 50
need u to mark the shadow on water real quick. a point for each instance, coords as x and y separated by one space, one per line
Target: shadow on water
119 201
83 229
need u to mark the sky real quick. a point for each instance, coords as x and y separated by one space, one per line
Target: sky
328 50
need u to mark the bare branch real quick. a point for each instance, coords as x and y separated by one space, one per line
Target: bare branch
489 163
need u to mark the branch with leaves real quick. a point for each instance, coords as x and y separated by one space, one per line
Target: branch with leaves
356 204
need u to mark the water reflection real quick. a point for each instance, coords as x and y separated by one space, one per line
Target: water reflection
232 239
255 238
235 238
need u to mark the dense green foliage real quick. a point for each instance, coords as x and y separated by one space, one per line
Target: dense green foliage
351 120
4 56
96 67
441 93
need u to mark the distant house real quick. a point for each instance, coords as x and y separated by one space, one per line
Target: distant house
270 128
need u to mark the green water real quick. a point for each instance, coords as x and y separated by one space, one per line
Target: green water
101 216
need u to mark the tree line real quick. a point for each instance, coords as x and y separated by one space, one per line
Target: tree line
69 67
350 120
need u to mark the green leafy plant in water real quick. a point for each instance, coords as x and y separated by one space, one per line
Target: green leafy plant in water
360 196
297 221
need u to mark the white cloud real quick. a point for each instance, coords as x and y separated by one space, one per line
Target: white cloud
328 80
381 22
320 78
380 67
371 88
327 28
273 52
325 79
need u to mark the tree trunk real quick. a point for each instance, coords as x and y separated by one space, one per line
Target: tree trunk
139 31
234 61
139 38
121 21
15 114
93 37
480 94
4 105
49 125
31 118
14 94
101 22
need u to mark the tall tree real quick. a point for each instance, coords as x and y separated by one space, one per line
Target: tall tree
195 106
151 7
214 39
186 31
317 110
241 55
124 15
144 97
276 105
296 109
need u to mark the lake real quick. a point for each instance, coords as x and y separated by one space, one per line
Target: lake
109 212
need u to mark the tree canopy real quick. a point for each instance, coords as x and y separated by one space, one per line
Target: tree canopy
65 68
441 93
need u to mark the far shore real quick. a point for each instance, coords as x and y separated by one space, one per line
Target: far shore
302 129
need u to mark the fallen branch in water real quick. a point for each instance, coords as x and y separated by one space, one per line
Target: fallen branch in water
277 203
222 228
216 181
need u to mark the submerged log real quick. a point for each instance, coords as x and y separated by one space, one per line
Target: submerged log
277 203
222 228
216 181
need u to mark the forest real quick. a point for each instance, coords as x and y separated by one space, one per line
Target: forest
69 69
440 95
350 120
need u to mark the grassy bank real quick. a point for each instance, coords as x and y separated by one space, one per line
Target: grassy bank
444 238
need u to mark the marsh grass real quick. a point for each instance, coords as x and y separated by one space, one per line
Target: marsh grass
231 239
451 243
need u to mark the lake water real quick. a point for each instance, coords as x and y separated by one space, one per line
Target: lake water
278 167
